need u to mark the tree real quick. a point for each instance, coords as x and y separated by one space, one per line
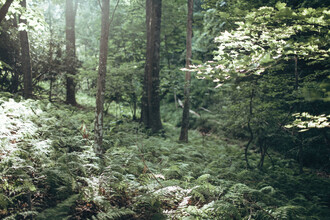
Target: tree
185 114
101 76
25 57
70 14
260 57
4 9
151 100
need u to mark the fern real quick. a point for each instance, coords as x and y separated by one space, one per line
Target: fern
214 210
290 212
4 201
115 213
24 215
61 211
60 183
141 178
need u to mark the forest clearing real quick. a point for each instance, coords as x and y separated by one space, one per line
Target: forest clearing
173 109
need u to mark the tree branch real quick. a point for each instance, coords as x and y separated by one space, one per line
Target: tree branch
113 13
4 9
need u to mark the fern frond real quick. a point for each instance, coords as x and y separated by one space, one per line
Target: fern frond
61 211
115 213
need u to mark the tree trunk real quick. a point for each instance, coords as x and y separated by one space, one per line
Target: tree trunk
249 129
300 155
50 89
101 76
4 9
50 52
16 73
296 85
151 100
300 141
70 14
134 100
263 151
185 114
25 58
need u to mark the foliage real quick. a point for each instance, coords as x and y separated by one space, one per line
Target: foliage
264 68
305 121
60 211
265 36
141 178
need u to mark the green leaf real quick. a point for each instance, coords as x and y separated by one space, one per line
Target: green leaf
266 59
280 5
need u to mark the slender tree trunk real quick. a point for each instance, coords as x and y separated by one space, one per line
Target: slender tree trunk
175 98
50 95
151 101
263 152
250 130
50 52
185 114
70 14
300 154
25 58
16 73
300 141
101 76
134 100
326 138
296 85
4 9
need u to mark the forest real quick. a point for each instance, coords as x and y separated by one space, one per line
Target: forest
173 109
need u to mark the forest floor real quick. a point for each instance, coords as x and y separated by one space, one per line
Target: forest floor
49 171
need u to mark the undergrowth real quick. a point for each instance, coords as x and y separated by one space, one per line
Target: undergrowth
49 171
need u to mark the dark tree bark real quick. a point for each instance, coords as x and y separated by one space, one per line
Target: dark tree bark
296 85
151 100
300 154
101 76
134 103
16 57
4 9
185 114
25 58
263 150
70 14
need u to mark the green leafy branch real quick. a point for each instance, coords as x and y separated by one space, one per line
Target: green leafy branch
304 121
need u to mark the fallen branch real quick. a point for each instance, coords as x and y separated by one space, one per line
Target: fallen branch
191 111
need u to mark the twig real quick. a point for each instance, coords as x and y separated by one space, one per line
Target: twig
113 13
250 214
34 111
206 110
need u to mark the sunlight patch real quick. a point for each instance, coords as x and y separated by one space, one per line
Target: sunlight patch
15 123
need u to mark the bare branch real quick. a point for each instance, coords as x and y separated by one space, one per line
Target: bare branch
113 13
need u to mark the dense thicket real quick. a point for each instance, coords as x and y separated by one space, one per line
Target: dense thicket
258 109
